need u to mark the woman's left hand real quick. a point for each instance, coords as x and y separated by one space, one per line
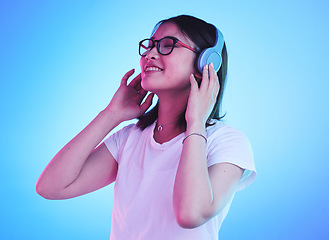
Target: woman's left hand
202 100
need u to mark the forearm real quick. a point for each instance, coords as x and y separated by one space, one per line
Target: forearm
65 167
192 190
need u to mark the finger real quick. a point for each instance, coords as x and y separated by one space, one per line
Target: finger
138 86
205 77
213 78
142 92
194 84
141 95
136 82
214 82
147 103
215 91
126 76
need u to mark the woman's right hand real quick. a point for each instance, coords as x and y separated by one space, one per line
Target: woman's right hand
126 103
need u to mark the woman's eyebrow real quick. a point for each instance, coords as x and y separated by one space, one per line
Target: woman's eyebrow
153 38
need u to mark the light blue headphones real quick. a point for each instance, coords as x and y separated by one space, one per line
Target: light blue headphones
212 54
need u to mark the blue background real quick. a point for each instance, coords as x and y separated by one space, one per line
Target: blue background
61 62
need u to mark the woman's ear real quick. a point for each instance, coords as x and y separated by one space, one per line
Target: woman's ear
198 78
198 75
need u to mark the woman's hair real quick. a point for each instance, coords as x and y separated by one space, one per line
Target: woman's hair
203 35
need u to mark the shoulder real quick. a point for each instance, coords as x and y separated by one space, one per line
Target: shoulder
228 144
117 140
223 132
124 131
120 135
128 128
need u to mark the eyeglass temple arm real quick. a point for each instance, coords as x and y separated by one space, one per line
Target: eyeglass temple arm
187 46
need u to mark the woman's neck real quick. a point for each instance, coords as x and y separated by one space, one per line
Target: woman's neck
169 124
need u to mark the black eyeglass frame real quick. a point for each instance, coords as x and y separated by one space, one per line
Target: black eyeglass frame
148 49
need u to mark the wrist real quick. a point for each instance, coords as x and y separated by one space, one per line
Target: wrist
196 134
195 127
110 117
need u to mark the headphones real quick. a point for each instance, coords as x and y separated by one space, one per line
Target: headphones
212 54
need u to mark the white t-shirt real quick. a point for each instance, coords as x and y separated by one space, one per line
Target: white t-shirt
143 190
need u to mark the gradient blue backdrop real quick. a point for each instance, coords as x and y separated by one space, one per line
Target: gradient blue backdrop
61 62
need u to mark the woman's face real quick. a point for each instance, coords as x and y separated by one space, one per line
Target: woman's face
168 72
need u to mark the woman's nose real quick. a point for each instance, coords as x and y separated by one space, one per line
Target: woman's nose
152 54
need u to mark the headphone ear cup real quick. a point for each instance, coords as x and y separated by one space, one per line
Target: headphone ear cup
207 56
213 54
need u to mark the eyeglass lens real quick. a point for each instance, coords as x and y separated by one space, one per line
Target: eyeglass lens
164 46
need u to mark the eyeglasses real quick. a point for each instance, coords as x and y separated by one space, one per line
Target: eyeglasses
165 45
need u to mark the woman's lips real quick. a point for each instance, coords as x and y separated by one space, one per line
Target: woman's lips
152 69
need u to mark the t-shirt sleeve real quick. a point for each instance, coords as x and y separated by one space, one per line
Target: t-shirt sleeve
229 145
116 141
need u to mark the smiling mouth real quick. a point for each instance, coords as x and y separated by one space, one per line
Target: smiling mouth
153 69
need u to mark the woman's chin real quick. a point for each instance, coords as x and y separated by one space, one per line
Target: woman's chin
147 83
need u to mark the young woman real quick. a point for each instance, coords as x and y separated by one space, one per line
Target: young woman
177 169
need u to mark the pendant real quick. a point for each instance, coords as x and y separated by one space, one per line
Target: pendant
160 128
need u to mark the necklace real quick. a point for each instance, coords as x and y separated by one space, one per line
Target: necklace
160 127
